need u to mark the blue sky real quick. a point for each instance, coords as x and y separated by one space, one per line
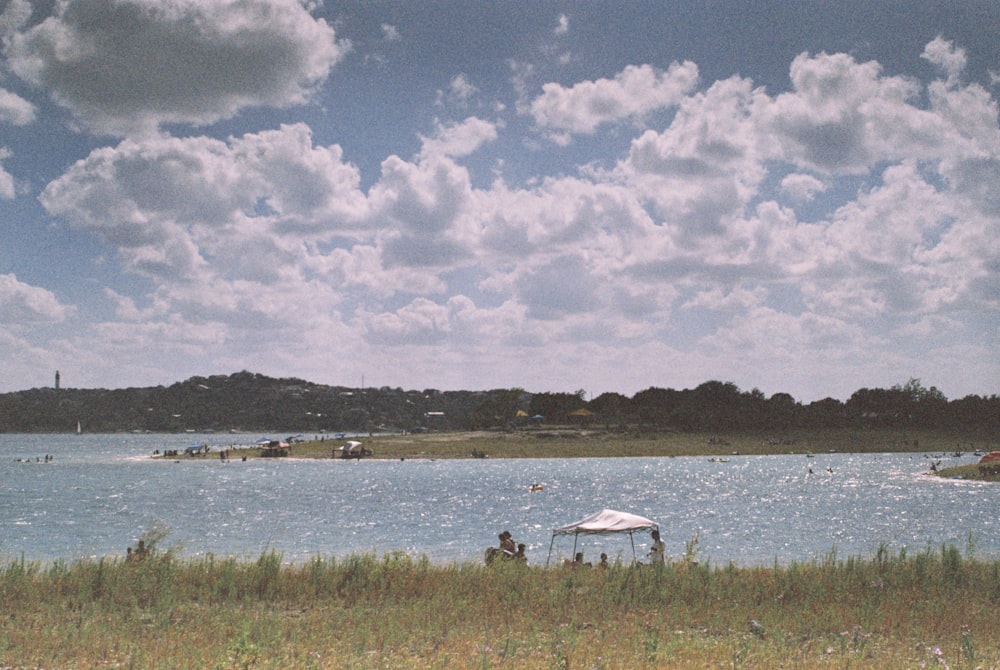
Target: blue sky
795 197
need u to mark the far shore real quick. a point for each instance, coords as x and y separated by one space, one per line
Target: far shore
588 442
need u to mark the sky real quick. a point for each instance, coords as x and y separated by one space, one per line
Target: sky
796 197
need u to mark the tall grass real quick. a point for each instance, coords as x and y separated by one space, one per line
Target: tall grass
893 610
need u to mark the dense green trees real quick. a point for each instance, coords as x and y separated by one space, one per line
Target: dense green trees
251 402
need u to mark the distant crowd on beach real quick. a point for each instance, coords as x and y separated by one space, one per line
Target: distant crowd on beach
38 459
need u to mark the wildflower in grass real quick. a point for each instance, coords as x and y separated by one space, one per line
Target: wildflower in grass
939 657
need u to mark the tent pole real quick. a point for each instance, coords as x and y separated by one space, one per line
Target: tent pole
550 550
575 536
631 538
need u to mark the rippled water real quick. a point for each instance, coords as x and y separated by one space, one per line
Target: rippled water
101 491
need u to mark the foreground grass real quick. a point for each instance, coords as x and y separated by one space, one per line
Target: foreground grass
928 609
562 442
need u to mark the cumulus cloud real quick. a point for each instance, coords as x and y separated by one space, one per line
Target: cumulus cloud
945 55
842 116
690 248
417 209
460 91
15 110
635 91
178 209
802 187
22 304
702 170
14 17
124 66
7 190
390 32
458 139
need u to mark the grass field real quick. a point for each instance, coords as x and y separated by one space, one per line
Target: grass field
933 609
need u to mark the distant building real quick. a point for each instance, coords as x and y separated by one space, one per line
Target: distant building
57 380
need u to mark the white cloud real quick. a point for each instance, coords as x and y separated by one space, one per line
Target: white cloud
842 116
390 32
180 210
802 187
418 209
702 170
15 110
22 304
458 139
460 92
562 25
945 55
634 92
422 322
14 17
124 66
7 190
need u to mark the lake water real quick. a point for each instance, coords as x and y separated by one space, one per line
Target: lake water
100 492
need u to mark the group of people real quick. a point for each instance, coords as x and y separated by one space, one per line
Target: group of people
140 553
577 562
508 550
656 555
38 459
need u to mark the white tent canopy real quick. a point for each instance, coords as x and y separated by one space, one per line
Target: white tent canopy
605 522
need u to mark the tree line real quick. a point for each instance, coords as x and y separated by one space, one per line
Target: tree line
247 401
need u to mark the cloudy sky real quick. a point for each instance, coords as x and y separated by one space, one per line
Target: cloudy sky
799 197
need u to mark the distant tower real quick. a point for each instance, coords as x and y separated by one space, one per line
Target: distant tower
57 380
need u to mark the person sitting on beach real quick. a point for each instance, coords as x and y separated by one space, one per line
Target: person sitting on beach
657 550
604 561
519 555
507 545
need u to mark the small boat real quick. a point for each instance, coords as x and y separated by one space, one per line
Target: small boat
536 487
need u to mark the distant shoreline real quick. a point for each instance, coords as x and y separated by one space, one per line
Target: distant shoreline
570 442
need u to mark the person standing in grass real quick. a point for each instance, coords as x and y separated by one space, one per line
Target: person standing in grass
657 550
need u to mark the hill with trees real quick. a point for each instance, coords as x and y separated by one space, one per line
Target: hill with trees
247 401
